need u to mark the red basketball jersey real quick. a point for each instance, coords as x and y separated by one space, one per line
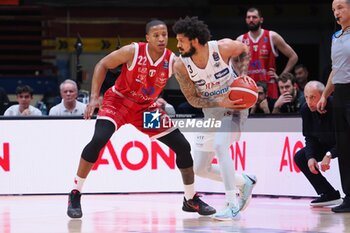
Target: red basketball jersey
262 57
144 80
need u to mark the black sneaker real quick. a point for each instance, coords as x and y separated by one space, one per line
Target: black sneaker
327 199
197 205
343 208
74 207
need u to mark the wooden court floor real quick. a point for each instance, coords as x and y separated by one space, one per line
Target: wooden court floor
162 213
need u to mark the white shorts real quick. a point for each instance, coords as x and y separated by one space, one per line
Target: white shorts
232 122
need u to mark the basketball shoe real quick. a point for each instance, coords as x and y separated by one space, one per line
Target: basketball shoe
197 205
74 207
230 212
245 192
326 199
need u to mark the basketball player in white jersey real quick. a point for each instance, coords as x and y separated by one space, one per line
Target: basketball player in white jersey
204 73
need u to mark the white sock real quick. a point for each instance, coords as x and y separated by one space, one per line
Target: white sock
230 197
189 191
78 183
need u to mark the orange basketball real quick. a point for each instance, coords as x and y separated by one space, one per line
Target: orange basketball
247 91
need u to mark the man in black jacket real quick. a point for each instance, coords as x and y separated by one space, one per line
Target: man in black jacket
320 145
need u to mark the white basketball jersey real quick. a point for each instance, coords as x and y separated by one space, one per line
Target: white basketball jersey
215 79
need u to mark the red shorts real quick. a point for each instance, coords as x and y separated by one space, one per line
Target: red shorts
121 110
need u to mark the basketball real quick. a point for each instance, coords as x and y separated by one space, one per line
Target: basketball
242 89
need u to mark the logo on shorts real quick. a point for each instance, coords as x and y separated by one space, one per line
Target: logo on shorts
151 120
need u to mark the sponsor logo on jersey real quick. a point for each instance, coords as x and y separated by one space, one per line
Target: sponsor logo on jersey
246 41
211 85
200 82
148 91
136 95
257 71
216 92
255 67
140 78
216 56
265 39
160 82
221 73
256 64
264 52
142 70
152 73
166 64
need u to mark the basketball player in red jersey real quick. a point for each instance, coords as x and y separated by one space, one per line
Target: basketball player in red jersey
146 69
264 46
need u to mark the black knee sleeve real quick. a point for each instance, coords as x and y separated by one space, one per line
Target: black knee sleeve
104 130
179 144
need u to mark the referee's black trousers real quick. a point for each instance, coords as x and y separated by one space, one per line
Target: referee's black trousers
341 105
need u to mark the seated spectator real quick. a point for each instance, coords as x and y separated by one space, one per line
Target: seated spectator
291 99
24 95
264 103
69 105
4 100
320 145
168 108
301 76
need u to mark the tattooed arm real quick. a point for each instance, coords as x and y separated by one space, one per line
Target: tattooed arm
188 88
237 51
242 62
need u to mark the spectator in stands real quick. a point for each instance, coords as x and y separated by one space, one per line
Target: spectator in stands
301 76
320 145
69 105
4 100
264 103
291 99
24 95
168 108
